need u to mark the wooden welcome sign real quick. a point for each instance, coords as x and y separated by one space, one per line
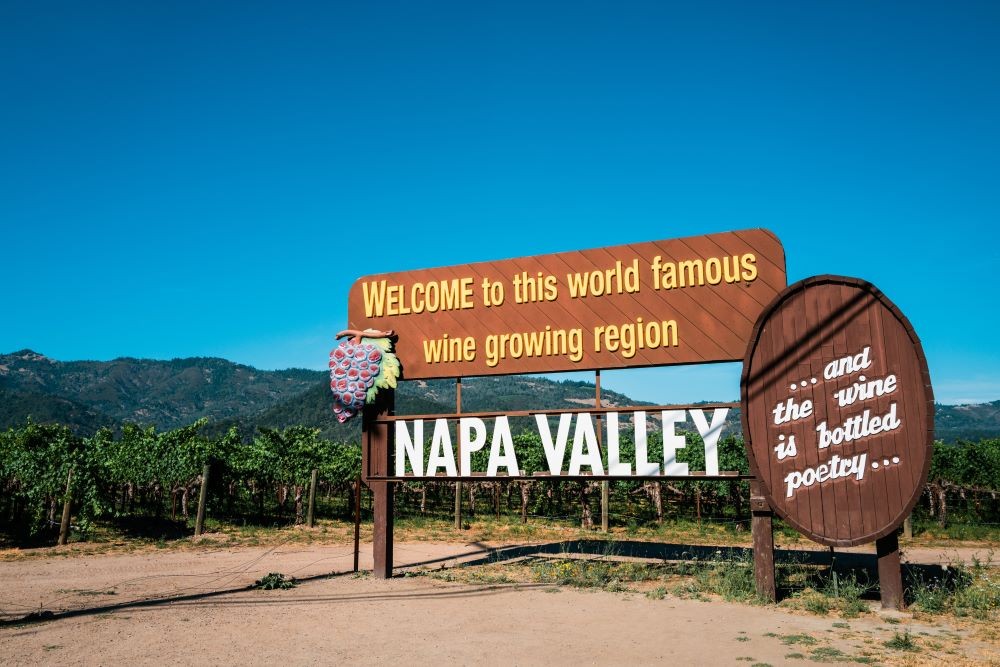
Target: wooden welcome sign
836 400
837 409
676 301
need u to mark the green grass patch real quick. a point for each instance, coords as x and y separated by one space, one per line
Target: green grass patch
828 654
902 642
657 593
962 591
790 640
607 575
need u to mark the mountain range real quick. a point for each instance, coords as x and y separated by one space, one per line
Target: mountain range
87 395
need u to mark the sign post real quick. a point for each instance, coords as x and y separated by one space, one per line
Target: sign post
376 443
838 416
762 533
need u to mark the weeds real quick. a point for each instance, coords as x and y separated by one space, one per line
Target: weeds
731 578
848 593
607 575
657 593
815 602
805 640
828 654
274 580
902 642
822 593
964 591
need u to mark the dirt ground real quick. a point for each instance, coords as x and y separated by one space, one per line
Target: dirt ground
192 607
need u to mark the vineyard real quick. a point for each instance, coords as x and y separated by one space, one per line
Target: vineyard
140 474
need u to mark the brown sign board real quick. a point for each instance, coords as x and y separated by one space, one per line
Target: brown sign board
678 301
837 409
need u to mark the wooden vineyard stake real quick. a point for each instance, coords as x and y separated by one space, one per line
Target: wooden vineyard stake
199 522
67 506
605 485
311 511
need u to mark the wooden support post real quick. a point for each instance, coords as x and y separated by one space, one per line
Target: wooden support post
762 531
908 527
199 522
458 485
376 446
67 506
382 496
890 573
311 512
357 521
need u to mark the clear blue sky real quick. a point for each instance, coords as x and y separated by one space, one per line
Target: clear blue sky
208 179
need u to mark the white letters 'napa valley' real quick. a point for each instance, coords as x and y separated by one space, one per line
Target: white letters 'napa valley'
585 452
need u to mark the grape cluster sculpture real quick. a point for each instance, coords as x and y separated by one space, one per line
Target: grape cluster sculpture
360 365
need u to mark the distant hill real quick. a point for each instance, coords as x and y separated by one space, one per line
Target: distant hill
16 407
165 393
967 422
87 395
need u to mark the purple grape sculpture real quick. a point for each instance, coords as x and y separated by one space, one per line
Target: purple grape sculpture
360 365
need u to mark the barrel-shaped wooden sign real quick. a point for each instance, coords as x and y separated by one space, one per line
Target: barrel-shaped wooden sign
838 412
676 301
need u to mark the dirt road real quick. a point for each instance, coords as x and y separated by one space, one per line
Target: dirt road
406 620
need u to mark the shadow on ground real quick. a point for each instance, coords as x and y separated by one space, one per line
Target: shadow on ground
819 565
822 564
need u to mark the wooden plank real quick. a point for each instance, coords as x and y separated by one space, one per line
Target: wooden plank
389 419
730 279
723 476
